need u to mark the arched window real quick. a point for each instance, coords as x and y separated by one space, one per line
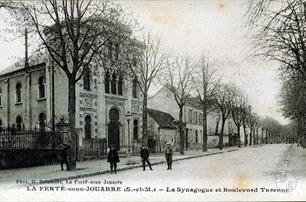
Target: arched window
18 92
110 50
87 127
41 87
113 84
120 84
134 90
106 82
135 129
18 123
190 116
86 79
42 121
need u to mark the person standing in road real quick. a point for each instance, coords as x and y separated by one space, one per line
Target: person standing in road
168 155
113 159
64 154
144 154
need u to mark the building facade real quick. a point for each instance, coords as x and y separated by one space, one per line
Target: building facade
102 102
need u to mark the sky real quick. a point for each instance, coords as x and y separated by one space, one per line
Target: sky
190 28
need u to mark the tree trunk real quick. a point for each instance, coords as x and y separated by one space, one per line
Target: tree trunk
257 135
182 139
262 138
221 135
204 148
72 155
251 131
238 131
254 137
145 119
300 132
217 127
245 136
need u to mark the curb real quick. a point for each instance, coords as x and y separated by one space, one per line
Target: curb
127 168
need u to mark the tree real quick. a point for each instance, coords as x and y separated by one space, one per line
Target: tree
252 121
75 34
246 115
224 100
179 76
239 112
205 83
273 126
289 132
146 62
293 100
279 30
244 125
279 33
256 127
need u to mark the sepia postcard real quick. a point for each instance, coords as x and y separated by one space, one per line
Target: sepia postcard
152 100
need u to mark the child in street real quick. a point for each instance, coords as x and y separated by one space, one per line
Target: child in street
168 155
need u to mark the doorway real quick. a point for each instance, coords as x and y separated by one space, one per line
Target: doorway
114 128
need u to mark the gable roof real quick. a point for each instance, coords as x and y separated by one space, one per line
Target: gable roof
190 101
163 119
34 60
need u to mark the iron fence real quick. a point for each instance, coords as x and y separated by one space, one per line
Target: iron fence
29 139
95 147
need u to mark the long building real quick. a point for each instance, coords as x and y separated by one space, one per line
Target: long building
102 102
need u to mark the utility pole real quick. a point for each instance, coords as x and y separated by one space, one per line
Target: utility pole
28 78
26 62
52 96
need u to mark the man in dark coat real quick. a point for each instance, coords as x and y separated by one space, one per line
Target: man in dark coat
168 155
144 153
64 154
113 159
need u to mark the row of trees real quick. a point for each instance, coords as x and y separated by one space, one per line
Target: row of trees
198 80
278 30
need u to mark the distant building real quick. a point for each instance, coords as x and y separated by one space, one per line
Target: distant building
193 118
162 130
